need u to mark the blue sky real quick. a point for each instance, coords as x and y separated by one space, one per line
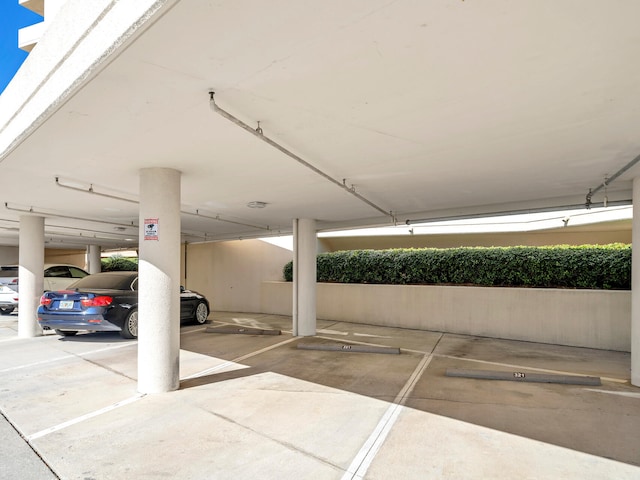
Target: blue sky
12 18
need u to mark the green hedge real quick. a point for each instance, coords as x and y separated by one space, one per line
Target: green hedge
116 263
586 266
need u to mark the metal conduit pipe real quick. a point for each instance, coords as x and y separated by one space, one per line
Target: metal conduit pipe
258 133
59 215
217 217
593 191
75 229
515 212
80 230
93 192
115 197
132 225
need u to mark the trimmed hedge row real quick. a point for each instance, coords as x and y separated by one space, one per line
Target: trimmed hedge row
116 264
586 266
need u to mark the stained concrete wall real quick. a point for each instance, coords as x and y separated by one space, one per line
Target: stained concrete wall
583 318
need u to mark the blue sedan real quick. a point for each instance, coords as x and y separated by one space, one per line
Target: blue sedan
105 302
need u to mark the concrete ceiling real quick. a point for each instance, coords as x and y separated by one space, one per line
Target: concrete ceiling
424 109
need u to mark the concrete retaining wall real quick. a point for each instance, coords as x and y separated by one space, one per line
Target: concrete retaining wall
584 318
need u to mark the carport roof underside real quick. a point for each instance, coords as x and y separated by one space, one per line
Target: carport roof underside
422 109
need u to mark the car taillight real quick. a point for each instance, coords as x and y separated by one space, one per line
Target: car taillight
14 281
44 300
101 301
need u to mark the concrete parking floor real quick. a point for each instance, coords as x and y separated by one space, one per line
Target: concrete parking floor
259 407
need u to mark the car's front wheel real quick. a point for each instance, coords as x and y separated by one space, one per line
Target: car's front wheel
201 313
66 333
130 327
6 310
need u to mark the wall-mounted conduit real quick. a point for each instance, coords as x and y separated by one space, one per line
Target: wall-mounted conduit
258 132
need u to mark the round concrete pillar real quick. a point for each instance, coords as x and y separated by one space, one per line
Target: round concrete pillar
305 250
159 281
635 286
31 274
94 265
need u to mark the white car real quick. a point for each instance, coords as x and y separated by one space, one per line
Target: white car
8 300
60 276
56 277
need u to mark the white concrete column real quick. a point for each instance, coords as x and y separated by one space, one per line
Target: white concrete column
305 249
159 289
94 264
31 274
635 286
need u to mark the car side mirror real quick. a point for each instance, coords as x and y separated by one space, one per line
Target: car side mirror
181 289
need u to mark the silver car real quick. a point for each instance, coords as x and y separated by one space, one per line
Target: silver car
56 277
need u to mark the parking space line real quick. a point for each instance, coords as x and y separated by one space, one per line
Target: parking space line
237 360
35 364
76 420
612 392
193 331
11 339
135 398
65 357
363 459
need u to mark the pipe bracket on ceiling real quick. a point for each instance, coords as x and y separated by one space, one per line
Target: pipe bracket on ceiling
607 181
259 133
60 215
92 191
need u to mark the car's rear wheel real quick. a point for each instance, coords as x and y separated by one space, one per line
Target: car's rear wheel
130 327
66 333
6 310
201 313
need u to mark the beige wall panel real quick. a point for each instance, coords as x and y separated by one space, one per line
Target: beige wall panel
9 256
230 274
72 257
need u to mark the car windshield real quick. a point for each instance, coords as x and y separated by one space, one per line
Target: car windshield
105 282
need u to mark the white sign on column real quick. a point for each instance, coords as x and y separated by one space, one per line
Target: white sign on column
151 228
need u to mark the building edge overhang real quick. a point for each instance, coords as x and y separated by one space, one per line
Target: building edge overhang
68 56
